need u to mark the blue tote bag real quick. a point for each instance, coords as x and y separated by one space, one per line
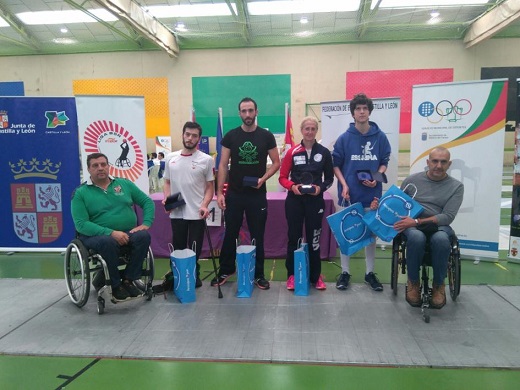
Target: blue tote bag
184 268
301 270
348 229
245 262
393 205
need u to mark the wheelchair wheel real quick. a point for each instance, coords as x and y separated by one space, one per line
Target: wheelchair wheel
454 274
397 255
100 305
77 272
145 283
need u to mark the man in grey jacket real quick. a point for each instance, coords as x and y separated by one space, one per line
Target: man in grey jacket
441 197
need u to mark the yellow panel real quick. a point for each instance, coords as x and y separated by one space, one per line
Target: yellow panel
154 90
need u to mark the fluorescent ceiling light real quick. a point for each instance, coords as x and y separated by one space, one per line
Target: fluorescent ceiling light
181 27
59 17
427 3
64 41
301 7
193 10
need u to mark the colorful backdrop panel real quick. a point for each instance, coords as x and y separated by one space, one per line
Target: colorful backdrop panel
12 88
468 119
270 92
154 90
395 83
39 166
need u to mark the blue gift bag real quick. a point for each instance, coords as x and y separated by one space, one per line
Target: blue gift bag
245 263
184 268
348 229
393 205
301 270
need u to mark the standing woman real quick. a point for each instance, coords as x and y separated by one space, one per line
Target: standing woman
306 173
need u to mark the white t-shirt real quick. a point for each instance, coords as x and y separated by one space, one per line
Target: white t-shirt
188 175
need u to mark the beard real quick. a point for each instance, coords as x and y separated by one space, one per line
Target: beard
249 121
187 146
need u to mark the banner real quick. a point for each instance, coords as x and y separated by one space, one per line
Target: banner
336 118
288 141
40 168
163 144
115 126
218 146
469 119
514 235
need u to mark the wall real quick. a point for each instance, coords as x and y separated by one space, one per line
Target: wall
317 72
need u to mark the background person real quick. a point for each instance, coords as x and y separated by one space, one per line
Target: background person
441 196
190 172
362 147
247 146
307 163
104 217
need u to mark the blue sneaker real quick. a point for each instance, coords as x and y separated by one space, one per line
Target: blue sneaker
342 281
373 282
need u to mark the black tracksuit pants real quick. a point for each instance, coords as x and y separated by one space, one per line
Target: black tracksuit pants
308 210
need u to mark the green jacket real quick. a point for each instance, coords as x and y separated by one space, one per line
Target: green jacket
97 212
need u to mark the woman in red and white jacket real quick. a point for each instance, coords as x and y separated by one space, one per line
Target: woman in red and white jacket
306 173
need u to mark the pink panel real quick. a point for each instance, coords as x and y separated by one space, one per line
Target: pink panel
395 83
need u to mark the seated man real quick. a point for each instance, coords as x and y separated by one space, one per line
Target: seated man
441 196
104 217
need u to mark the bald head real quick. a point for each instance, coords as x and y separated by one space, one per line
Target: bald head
442 150
438 163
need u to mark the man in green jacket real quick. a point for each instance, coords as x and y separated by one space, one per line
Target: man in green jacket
105 219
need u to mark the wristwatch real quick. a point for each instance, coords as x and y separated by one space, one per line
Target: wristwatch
416 222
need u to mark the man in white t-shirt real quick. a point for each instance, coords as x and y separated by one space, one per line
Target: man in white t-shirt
190 172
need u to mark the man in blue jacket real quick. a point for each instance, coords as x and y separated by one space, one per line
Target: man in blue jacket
363 147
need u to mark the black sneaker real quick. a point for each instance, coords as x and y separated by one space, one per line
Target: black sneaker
131 289
98 280
198 282
262 283
372 281
221 279
119 293
343 281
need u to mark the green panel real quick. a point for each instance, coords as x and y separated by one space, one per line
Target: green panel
270 92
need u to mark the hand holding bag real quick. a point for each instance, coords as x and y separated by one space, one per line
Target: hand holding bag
348 229
301 270
184 268
245 263
393 205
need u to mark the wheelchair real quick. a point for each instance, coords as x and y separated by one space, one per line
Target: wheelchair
80 262
399 266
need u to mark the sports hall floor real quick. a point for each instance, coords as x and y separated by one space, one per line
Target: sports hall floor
329 340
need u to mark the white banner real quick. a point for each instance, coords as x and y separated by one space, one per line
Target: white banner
469 119
114 126
163 144
336 118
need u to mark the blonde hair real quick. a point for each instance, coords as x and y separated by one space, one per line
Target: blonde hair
309 119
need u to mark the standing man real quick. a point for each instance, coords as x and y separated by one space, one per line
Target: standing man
441 196
248 147
105 219
362 147
190 172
